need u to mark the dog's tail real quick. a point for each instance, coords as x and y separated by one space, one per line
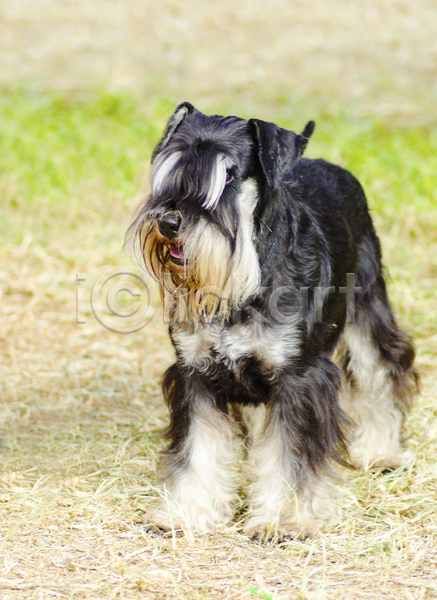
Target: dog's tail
308 130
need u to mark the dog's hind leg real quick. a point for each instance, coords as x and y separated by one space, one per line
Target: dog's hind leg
198 468
380 381
292 452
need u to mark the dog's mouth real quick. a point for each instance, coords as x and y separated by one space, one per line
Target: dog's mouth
176 251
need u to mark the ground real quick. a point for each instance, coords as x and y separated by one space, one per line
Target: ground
85 91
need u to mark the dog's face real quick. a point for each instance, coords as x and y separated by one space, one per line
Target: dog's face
197 228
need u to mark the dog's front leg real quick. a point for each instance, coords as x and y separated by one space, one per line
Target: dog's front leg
291 454
198 468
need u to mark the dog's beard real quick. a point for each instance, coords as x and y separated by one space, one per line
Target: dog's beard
199 274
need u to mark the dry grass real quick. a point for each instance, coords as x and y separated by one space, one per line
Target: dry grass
81 407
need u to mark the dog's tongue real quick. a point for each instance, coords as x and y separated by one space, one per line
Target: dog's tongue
176 251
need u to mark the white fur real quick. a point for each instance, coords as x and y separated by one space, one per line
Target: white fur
254 418
162 167
282 499
273 345
202 495
218 182
370 401
246 265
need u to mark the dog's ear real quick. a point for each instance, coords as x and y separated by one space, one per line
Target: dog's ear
278 149
173 123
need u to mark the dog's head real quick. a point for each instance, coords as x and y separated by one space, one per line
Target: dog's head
196 229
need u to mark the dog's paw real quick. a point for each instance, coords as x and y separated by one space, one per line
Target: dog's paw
402 460
282 532
203 520
156 531
159 522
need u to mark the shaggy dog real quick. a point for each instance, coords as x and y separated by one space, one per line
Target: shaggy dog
270 269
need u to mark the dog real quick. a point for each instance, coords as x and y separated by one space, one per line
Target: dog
270 270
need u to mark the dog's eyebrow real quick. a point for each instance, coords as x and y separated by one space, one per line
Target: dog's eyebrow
218 182
161 169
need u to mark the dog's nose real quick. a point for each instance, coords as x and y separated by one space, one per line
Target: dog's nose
169 224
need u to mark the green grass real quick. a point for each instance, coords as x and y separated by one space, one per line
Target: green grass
63 159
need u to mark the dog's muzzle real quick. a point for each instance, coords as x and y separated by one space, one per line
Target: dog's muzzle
168 226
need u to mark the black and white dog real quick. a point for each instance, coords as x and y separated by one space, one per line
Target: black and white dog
270 270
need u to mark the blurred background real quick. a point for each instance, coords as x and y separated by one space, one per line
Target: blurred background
372 57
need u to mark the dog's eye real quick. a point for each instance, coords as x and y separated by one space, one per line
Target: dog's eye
229 175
